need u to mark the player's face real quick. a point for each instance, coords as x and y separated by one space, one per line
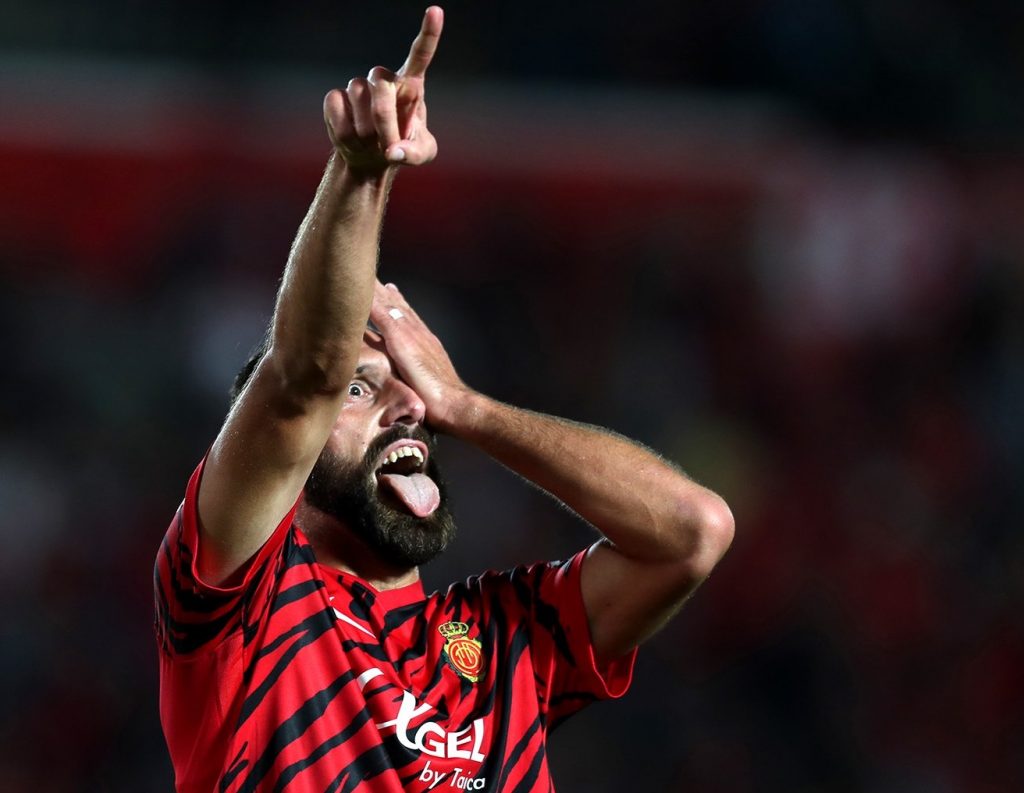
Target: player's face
378 473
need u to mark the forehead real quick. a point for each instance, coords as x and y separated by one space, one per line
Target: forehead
373 354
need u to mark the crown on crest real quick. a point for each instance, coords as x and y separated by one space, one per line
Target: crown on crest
452 629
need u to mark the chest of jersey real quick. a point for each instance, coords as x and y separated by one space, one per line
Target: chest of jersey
422 676
408 686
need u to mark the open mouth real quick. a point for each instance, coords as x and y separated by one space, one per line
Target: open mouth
404 457
401 470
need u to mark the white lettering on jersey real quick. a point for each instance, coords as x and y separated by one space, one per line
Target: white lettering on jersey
458 780
429 738
367 676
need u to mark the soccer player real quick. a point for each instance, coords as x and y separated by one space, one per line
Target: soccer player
298 649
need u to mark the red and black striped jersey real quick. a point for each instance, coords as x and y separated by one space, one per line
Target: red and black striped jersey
304 678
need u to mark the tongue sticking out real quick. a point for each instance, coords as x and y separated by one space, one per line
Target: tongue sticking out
417 491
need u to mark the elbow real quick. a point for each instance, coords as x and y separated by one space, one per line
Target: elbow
719 527
705 530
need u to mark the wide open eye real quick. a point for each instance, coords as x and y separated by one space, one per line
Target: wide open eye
356 390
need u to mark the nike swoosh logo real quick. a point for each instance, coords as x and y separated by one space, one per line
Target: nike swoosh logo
352 622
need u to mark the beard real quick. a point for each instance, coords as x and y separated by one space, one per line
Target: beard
351 494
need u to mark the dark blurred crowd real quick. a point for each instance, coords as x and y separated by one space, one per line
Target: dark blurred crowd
930 68
839 353
821 323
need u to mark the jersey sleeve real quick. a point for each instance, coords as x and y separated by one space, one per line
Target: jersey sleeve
568 673
193 616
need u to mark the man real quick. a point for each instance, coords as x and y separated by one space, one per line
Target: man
298 650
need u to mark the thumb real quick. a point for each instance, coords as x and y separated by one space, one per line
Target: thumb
416 151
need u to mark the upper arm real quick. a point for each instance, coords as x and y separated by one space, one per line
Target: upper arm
545 604
628 600
258 465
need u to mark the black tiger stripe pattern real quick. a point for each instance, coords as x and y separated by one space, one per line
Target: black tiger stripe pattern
303 678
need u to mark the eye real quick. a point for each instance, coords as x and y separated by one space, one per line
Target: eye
356 390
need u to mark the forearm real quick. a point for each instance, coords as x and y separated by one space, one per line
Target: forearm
325 294
645 506
663 532
281 420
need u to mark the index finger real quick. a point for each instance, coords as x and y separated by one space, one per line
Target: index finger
424 45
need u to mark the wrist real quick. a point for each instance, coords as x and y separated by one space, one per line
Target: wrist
372 173
465 411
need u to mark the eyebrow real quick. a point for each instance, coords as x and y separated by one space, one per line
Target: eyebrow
367 367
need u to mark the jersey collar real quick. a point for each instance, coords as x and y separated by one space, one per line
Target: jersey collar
387 598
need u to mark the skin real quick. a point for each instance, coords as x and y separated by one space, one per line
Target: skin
277 427
662 532
377 399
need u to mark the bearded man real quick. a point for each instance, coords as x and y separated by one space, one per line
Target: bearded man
298 649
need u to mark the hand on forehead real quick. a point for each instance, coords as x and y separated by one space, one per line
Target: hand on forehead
375 353
372 338
374 350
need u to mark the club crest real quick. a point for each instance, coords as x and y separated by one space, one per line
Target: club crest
462 654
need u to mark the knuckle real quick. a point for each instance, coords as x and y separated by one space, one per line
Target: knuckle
380 74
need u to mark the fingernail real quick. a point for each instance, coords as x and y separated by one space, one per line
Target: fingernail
391 286
396 155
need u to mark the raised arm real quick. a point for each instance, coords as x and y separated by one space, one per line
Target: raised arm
663 532
279 424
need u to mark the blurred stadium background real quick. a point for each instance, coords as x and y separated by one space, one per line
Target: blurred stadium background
780 242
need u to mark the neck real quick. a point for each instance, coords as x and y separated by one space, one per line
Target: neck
336 546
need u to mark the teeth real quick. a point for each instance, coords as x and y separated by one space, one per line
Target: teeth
404 451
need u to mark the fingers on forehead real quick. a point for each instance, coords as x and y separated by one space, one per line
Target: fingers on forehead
382 291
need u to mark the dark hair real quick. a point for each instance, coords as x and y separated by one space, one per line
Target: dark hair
255 356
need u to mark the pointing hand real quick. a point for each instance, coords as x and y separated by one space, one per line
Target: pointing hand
381 120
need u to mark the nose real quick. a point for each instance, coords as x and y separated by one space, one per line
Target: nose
404 405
